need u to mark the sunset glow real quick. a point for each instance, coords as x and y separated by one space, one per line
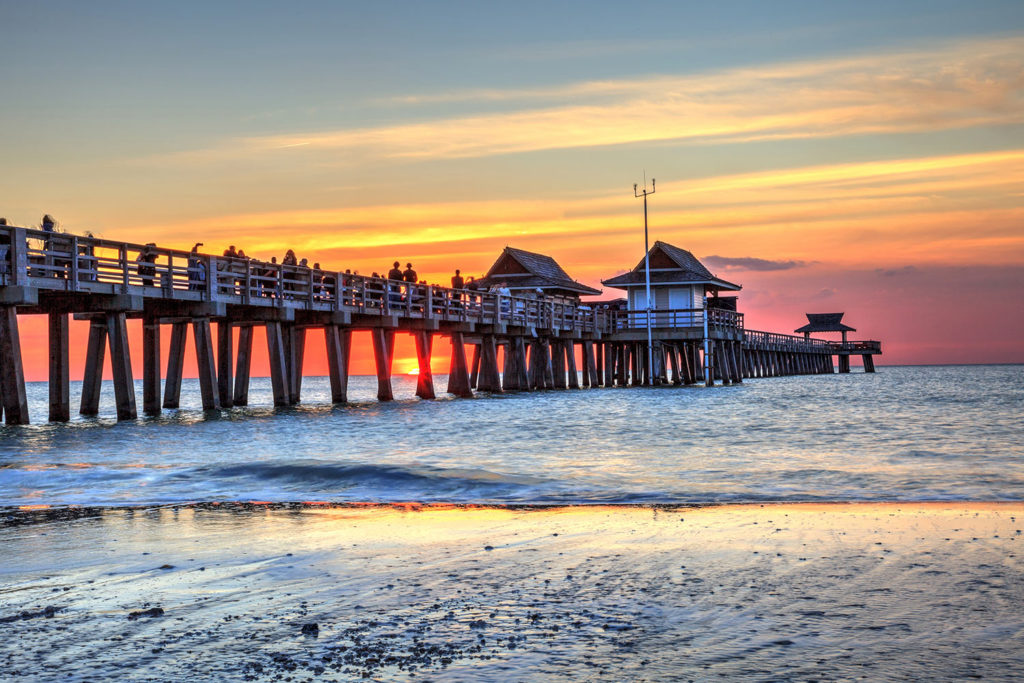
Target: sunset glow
864 162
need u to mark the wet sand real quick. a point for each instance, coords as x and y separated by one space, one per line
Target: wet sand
312 592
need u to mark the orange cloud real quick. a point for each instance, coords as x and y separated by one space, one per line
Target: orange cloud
959 85
878 212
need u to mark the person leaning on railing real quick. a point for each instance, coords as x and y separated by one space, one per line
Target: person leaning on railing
5 250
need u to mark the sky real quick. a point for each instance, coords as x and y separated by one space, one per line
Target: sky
859 157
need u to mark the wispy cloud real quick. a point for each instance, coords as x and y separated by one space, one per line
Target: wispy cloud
750 263
883 215
961 85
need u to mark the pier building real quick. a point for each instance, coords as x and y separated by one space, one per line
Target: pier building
108 282
526 274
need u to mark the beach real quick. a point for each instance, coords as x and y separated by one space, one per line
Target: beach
263 591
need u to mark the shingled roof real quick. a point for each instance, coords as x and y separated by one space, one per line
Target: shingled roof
670 264
825 322
534 271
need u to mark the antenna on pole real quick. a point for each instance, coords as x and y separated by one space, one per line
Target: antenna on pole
647 279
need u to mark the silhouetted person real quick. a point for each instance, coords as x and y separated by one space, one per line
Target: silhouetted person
409 275
457 281
196 270
145 260
230 252
395 273
290 259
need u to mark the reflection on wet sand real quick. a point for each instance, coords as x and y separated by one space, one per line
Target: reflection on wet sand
251 592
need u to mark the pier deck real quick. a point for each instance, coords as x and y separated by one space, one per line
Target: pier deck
108 282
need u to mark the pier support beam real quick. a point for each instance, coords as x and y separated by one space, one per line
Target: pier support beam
536 365
636 360
869 362
522 369
474 374
60 380
488 378
151 367
558 363
608 354
736 362
510 370
12 373
92 380
294 353
203 338
458 372
175 366
225 362
383 354
278 365
549 371
243 366
844 364
425 380
121 365
570 364
339 351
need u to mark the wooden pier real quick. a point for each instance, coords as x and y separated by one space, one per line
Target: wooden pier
107 283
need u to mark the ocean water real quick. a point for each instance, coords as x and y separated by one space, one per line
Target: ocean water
902 434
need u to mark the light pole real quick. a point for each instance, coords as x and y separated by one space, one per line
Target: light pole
647 280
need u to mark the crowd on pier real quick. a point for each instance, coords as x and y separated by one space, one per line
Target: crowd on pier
290 277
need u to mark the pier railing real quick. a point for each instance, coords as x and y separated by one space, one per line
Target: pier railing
76 263
679 318
759 339
80 264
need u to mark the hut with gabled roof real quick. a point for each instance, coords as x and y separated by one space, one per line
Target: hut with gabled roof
825 322
678 281
525 272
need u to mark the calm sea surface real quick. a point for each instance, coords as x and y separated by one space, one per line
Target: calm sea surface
905 433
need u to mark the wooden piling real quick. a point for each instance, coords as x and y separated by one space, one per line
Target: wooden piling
243 366
474 375
12 373
509 377
60 380
536 365
225 364
488 377
558 364
339 350
151 367
709 363
675 376
458 372
202 336
637 355
869 362
522 369
383 354
844 364
425 379
294 353
549 371
570 364
175 365
121 365
592 370
736 357
92 379
278 364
